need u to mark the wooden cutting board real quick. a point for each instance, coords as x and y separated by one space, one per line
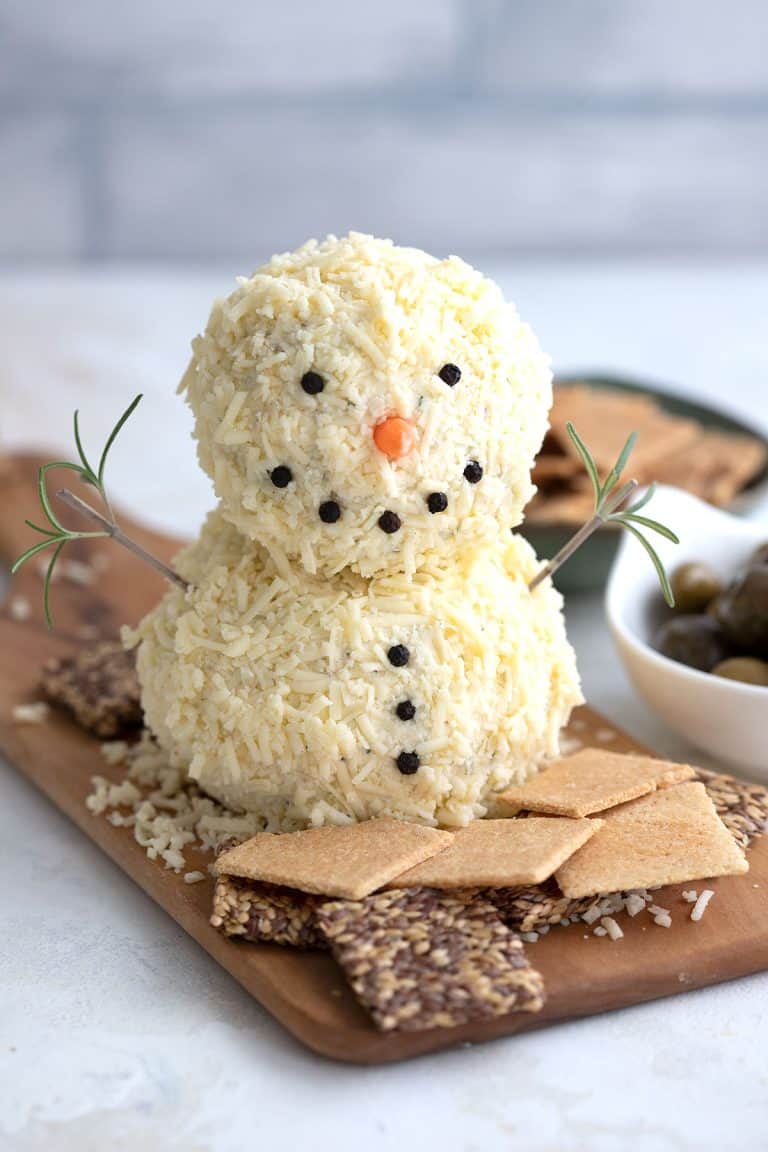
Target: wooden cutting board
584 974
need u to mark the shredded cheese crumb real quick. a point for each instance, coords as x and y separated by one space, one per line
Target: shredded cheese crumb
36 713
612 928
700 906
19 608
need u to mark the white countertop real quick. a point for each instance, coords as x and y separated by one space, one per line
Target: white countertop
116 1030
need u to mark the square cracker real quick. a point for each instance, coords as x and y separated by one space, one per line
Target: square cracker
501 853
668 837
591 781
604 419
349 861
715 466
416 958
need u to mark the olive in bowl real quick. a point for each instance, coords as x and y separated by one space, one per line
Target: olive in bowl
726 718
716 627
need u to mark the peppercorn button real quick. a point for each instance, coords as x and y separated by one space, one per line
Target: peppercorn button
281 476
398 655
408 763
437 502
406 710
389 522
473 473
329 512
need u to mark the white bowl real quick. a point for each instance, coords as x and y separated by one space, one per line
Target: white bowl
728 719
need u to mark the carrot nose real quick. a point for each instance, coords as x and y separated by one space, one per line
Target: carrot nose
395 437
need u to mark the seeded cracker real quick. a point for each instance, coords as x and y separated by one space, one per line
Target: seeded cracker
420 959
265 914
591 781
98 686
349 861
668 837
500 853
741 805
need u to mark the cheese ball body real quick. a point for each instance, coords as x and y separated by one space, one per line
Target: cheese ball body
361 405
313 701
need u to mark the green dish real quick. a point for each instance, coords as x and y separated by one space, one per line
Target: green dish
587 570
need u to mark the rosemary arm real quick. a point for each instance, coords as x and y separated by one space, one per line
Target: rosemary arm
583 534
117 534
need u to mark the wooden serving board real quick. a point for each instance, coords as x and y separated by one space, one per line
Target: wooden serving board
584 974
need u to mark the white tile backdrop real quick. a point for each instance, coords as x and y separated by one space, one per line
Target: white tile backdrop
194 130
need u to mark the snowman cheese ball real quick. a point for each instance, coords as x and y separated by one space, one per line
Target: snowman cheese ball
358 637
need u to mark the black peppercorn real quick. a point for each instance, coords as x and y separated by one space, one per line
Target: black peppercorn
473 473
329 512
398 655
406 710
450 374
437 502
281 476
312 383
389 522
408 763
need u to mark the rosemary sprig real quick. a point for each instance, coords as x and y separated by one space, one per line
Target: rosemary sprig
56 535
611 508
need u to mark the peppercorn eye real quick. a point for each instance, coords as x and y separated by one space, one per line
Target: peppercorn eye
450 374
312 383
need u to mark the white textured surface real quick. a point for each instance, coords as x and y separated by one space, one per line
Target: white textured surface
116 1031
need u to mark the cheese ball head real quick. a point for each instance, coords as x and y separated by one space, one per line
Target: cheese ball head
361 405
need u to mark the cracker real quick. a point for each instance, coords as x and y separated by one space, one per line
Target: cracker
590 781
501 853
531 907
667 837
98 686
741 805
349 861
264 913
715 466
418 959
604 420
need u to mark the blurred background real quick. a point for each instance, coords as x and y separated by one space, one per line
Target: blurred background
191 131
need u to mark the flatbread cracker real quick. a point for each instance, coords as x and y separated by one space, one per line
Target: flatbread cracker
715 466
741 805
265 914
501 853
418 959
604 420
350 861
590 781
98 686
670 836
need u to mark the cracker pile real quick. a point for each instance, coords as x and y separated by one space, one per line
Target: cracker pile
711 464
441 944
427 925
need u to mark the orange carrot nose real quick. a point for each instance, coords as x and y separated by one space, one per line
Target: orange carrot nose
395 437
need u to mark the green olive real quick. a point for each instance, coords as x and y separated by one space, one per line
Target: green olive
695 585
745 668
